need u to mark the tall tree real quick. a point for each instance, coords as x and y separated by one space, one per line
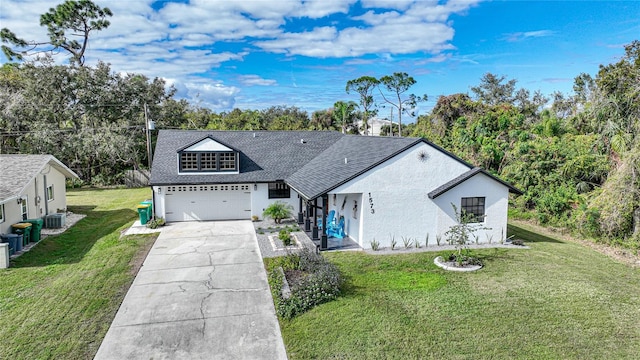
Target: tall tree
71 18
364 86
493 91
344 113
322 120
398 84
90 118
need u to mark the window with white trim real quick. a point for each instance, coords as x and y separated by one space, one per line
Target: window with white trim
1 213
25 210
50 192
472 209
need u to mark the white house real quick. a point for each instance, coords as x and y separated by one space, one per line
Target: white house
31 186
384 187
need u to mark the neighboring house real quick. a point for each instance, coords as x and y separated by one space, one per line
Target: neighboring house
383 186
31 186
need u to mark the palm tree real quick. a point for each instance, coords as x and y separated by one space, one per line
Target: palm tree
343 113
322 120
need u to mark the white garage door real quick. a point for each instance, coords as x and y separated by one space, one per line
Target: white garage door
207 202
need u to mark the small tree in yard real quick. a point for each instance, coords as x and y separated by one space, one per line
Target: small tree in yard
277 211
460 235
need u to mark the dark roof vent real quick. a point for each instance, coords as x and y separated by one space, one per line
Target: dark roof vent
303 141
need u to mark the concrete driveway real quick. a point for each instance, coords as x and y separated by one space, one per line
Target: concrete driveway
202 293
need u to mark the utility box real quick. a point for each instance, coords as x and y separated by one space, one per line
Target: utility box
55 221
4 255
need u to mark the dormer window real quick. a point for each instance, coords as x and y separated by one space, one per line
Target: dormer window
208 161
208 156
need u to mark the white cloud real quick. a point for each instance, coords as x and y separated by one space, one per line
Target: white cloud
185 42
255 80
393 38
423 27
215 96
316 9
390 4
519 36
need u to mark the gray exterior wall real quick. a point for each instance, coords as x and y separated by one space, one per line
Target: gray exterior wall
37 204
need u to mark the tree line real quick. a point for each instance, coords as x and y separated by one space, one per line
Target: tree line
576 157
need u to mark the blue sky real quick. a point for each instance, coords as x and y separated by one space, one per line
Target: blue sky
253 54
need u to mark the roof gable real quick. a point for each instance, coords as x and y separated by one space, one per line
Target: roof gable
345 160
207 144
466 176
17 170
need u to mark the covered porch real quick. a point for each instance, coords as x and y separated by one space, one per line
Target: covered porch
324 220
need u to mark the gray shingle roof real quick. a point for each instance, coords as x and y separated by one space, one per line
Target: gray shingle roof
17 170
328 170
311 168
464 177
267 157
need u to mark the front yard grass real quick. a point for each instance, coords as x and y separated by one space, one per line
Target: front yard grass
557 300
58 300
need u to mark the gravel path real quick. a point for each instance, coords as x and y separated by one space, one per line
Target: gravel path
270 246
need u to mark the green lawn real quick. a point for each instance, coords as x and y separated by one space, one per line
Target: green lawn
57 301
558 300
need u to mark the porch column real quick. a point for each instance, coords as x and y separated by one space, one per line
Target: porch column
307 221
325 210
300 217
314 233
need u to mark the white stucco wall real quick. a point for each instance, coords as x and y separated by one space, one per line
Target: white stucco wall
398 191
158 201
11 216
35 196
494 226
59 201
260 200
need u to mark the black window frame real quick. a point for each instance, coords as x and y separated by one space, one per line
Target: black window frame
208 169
279 190
473 209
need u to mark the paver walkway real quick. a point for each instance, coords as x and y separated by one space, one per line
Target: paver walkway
202 293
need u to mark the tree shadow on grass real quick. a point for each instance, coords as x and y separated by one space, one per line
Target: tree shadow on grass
529 236
72 245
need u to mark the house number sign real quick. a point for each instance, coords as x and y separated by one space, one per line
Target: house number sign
373 211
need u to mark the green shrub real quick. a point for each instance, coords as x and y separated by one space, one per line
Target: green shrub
285 237
155 223
277 211
407 241
320 284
